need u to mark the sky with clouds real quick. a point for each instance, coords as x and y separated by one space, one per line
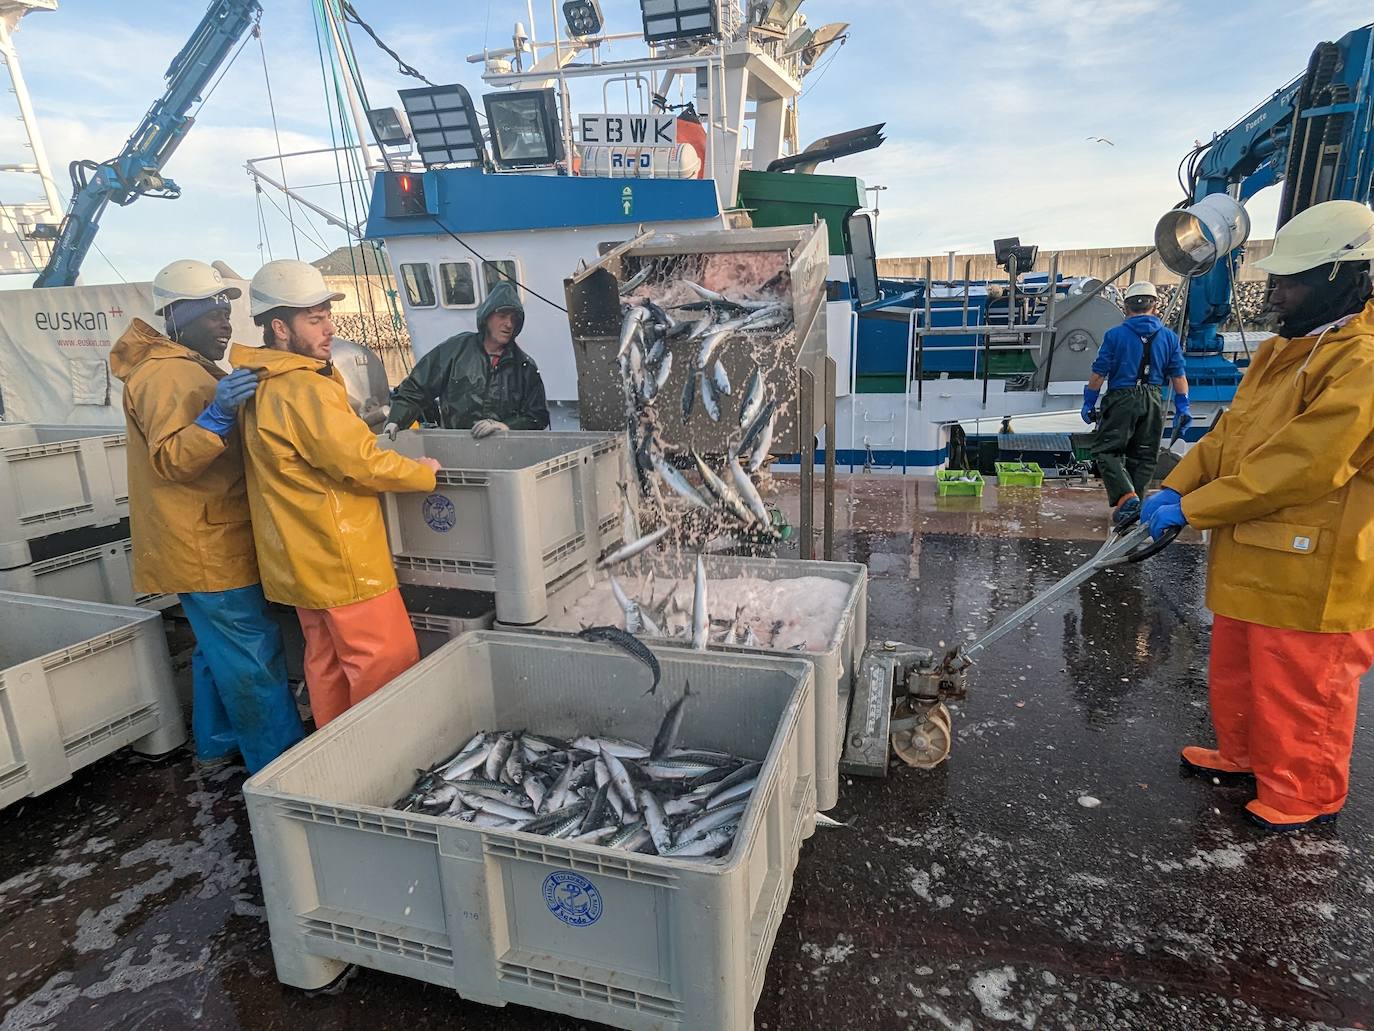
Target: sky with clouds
989 106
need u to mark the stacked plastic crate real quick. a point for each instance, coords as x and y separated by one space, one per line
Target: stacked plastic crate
64 507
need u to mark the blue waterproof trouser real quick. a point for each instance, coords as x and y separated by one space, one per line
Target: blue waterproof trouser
240 699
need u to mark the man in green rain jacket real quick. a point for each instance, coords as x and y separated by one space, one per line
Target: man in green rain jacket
480 381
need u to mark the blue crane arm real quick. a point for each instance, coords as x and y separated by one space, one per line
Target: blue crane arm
1245 154
137 170
1315 136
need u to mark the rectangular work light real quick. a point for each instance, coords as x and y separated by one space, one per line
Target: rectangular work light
444 125
524 127
389 127
583 17
666 20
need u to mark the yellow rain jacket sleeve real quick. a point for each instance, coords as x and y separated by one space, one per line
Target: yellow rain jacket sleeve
188 502
1285 482
314 473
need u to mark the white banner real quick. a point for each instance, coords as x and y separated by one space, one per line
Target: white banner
55 347
628 130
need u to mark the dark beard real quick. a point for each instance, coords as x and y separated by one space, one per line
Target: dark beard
1330 299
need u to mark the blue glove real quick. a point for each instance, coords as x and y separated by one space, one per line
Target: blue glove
1182 413
1089 403
230 392
1158 500
1166 517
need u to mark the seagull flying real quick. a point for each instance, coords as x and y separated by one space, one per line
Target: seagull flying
1101 139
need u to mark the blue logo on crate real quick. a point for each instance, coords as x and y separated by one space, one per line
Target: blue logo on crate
572 898
439 514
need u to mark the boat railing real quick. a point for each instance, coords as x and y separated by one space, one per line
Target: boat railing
1040 334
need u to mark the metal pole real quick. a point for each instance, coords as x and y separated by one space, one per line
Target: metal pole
332 219
564 101
1053 332
828 533
360 122
534 31
1011 321
853 378
968 271
806 440
26 115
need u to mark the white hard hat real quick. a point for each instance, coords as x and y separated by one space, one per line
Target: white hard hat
1337 230
288 284
1141 288
189 280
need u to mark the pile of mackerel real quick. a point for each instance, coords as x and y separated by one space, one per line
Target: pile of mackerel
687 322
659 799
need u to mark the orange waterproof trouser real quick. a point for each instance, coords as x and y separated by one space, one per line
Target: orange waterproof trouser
353 650
1283 705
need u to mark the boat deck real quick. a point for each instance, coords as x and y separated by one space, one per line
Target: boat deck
982 894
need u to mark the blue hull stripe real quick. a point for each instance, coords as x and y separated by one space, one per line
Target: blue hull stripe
471 201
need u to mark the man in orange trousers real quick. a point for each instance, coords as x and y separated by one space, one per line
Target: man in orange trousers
314 472
1285 483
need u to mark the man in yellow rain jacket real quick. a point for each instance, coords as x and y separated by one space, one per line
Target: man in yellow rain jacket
314 473
1285 483
189 514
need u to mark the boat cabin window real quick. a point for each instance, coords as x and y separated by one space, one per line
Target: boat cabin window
458 284
494 272
418 283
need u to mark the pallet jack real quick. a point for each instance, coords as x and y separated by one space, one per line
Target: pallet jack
900 691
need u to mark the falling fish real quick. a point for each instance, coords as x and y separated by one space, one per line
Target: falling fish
712 341
636 648
756 427
633 621
689 395
635 280
630 327
763 446
678 484
752 402
632 549
629 515
722 490
708 397
701 619
665 369
744 486
720 379
720 299
669 729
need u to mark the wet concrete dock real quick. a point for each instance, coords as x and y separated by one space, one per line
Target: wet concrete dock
980 895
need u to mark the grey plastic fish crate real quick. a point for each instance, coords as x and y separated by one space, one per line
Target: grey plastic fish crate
439 615
102 574
630 940
511 514
56 478
77 682
835 664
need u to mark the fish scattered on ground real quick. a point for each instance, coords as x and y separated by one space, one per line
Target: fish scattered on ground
664 800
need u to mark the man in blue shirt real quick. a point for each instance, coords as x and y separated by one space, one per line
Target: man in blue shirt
1134 361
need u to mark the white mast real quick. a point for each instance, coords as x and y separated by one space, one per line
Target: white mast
17 254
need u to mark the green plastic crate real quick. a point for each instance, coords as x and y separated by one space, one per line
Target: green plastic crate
958 483
1019 474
